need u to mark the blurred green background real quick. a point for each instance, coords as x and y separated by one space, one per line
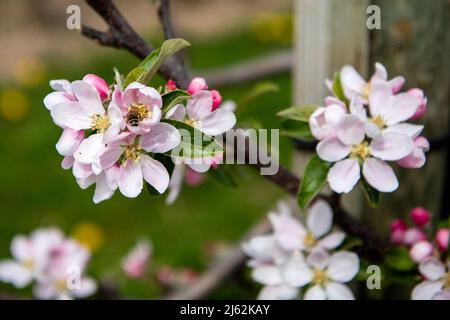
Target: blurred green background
35 191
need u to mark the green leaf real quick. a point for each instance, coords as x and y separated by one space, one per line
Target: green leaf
150 65
313 181
194 143
118 78
351 242
224 175
298 113
173 98
338 90
398 259
168 164
372 195
296 129
258 90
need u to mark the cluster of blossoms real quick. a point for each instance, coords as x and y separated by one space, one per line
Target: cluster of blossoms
436 280
369 130
55 264
296 257
110 137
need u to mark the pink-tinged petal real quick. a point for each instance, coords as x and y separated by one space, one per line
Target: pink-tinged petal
296 273
334 114
61 85
217 99
380 175
267 275
87 182
411 130
289 232
357 108
318 125
117 123
197 84
343 267
110 157
281 292
351 130
81 170
344 175
155 173
380 95
442 295
442 239
117 98
352 81
415 160
332 149
402 107
88 286
397 84
124 138
67 162
338 291
373 131
72 115
333 100
332 241
99 84
391 146
316 292
200 105
55 98
176 183
90 149
102 189
130 179
130 95
150 97
432 269
161 138
88 97
69 141
217 122
319 219
426 290
178 112
15 274
112 176
414 235
318 259
421 251
380 72
22 248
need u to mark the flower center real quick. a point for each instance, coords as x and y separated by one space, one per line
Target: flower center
379 121
190 121
366 91
61 285
361 150
133 153
29 263
136 113
320 277
99 123
309 240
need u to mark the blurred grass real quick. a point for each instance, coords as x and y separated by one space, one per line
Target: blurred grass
35 191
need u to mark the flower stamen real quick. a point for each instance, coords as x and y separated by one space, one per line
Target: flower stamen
133 153
309 240
136 113
366 91
191 122
99 123
379 121
360 151
320 277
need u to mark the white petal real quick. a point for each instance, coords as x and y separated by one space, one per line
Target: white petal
175 183
71 115
130 179
15 274
315 293
351 130
320 218
411 130
263 248
61 85
288 231
177 112
155 173
339 291
334 113
81 170
432 269
110 156
379 98
150 97
380 175
391 146
426 290
217 122
161 138
352 80
295 272
332 149
344 175
102 189
88 97
87 287
67 162
22 248
318 259
380 72
200 105
281 292
55 98
90 149
357 108
403 107
69 142
267 275
87 182
343 266
332 241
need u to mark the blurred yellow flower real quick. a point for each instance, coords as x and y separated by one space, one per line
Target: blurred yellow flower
29 72
273 27
89 234
13 104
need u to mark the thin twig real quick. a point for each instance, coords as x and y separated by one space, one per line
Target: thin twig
164 17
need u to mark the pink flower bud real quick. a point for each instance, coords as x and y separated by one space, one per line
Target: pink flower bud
136 262
217 99
397 237
196 85
418 93
171 85
193 178
420 216
442 239
399 224
414 235
99 84
420 251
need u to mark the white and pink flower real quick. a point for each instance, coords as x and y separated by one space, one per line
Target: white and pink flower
136 262
437 280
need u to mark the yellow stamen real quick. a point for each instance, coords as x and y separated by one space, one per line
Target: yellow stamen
133 153
99 123
137 112
379 121
61 284
29 263
191 122
366 91
320 277
361 151
309 240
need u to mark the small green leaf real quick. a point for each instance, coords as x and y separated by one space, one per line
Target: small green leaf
338 90
168 164
258 90
194 143
398 259
296 129
313 181
372 195
150 65
173 98
118 78
298 113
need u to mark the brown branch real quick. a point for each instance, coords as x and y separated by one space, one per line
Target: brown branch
164 17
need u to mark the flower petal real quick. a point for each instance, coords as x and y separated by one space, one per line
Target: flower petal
352 80
320 218
411 130
90 149
426 290
217 122
432 269
403 106
380 175
178 112
280 292
15 274
391 146
318 259
161 138
332 149
102 189
175 183
200 105
267 275
338 291
155 173
332 241
69 141
344 175
88 97
72 115
295 272
343 266
315 293
130 179
288 231
379 98
351 130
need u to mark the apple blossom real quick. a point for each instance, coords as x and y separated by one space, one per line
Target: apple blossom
421 251
324 120
136 262
197 84
99 84
414 235
418 93
437 279
63 93
420 216
442 239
